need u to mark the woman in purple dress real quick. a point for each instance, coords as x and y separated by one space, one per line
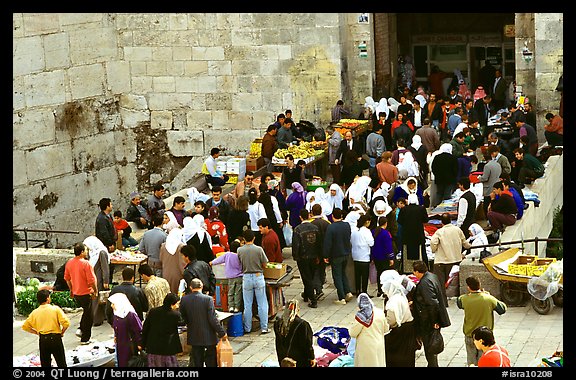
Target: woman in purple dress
295 202
127 329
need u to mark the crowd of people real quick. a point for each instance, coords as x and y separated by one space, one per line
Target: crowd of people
419 151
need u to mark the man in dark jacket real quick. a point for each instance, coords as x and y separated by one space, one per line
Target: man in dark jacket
135 295
502 209
104 227
224 208
307 252
322 223
204 328
337 247
445 169
430 308
197 269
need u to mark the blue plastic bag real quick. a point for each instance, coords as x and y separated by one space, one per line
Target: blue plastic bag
334 339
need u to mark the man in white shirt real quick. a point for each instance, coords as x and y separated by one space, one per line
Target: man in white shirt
417 114
213 176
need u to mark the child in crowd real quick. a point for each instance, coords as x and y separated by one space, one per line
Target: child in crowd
200 208
233 272
124 230
217 248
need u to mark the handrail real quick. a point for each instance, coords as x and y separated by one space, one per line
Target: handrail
535 240
44 241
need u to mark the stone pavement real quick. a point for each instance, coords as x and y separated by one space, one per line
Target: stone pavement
527 335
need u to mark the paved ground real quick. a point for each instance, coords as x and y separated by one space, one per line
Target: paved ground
527 335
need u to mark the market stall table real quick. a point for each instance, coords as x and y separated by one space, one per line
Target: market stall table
129 258
96 354
275 293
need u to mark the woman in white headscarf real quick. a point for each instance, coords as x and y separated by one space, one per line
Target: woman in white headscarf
382 107
401 343
433 191
409 186
420 152
172 261
393 104
196 235
369 329
477 237
310 200
357 192
333 200
412 218
99 258
127 328
170 222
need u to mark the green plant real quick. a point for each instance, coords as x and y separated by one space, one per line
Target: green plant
556 248
26 300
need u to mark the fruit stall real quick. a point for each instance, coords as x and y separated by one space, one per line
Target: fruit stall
357 126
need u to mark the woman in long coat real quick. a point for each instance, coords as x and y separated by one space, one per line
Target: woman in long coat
401 343
196 235
412 218
172 261
100 261
160 333
127 328
294 337
369 329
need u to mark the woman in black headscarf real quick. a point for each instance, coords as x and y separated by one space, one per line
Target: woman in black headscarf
294 337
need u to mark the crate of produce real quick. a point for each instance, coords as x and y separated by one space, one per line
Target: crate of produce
312 186
232 178
539 266
520 265
274 270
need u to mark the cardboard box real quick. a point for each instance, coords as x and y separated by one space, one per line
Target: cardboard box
253 164
275 273
520 265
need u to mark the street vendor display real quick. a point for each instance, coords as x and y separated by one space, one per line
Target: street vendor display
357 126
93 355
309 151
131 256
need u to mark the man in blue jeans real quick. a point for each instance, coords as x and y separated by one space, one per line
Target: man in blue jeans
253 260
337 248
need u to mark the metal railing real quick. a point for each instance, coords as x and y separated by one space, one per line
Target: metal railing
43 242
499 244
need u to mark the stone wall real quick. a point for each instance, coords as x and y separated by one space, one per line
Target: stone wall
543 34
105 103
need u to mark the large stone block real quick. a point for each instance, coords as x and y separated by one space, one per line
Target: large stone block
25 57
45 89
185 143
87 81
90 45
32 127
57 51
118 75
49 161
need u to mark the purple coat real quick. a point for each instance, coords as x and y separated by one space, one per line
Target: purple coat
294 203
128 332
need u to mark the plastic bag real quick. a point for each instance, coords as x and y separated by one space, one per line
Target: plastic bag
140 359
334 339
436 343
547 284
287 231
224 353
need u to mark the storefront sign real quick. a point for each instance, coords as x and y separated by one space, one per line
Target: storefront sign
510 30
439 39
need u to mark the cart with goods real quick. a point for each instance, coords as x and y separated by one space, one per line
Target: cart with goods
521 276
357 126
